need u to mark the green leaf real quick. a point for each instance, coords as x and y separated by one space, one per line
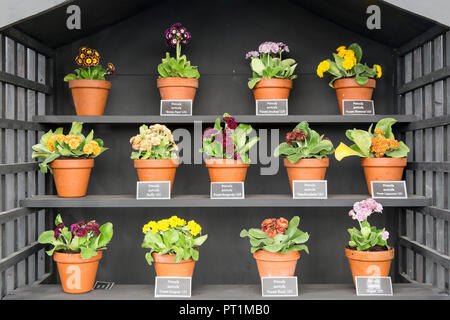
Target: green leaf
76 128
69 77
58 220
149 258
361 80
257 66
358 51
401 152
106 233
386 126
46 237
87 253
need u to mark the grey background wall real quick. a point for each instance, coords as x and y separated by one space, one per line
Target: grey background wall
223 31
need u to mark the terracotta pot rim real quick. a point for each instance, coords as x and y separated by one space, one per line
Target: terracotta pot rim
156 163
225 163
169 259
308 163
276 256
176 82
370 255
384 162
68 258
90 83
72 163
351 83
273 83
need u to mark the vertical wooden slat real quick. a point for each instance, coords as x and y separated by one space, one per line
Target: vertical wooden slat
41 103
9 191
31 184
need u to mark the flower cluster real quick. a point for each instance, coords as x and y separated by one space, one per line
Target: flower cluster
173 222
152 137
381 144
273 226
57 231
324 66
268 47
92 148
177 34
225 137
81 229
349 57
297 135
363 209
88 57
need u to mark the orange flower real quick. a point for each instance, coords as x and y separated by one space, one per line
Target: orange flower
72 141
379 132
92 148
380 145
272 227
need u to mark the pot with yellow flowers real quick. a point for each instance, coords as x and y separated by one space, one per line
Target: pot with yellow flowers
69 157
382 156
173 245
352 79
154 156
88 84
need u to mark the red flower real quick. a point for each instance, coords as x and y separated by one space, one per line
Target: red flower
57 231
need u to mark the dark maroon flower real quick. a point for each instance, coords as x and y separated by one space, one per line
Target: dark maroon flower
57 231
232 124
297 135
237 156
81 232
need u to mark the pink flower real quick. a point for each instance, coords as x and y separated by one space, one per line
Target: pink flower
385 235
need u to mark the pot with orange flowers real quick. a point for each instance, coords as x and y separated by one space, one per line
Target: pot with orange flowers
155 157
227 149
70 158
89 87
352 79
368 253
276 246
178 79
306 154
77 252
382 156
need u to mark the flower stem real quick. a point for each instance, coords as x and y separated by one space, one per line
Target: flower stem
178 50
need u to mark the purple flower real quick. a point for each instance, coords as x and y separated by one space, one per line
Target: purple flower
286 49
385 235
252 54
266 47
283 47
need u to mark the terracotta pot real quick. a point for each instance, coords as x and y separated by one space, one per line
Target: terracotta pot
383 169
71 176
349 89
176 88
268 89
307 169
89 96
77 274
166 266
369 263
226 170
275 264
156 169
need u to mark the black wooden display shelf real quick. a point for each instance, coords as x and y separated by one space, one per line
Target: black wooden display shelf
139 119
228 292
197 201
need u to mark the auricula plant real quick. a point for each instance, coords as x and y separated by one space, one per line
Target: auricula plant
178 66
367 236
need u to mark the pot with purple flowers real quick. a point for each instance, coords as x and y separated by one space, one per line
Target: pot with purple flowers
226 148
178 79
368 253
271 74
77 252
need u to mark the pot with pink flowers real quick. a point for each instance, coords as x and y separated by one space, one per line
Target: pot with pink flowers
368 253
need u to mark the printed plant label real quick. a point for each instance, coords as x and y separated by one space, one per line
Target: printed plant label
279 286
227 190
357 107
175 287
153 190
310 189
272 107
389 190
373 286
176 108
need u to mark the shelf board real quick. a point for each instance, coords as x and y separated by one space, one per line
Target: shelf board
227 292
197 201
139 119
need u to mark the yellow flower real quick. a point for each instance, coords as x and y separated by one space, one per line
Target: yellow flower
349 54
348 64
194 227
163 224
173 221
341 48
51 141
73 141
92 148
379 71
323 67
